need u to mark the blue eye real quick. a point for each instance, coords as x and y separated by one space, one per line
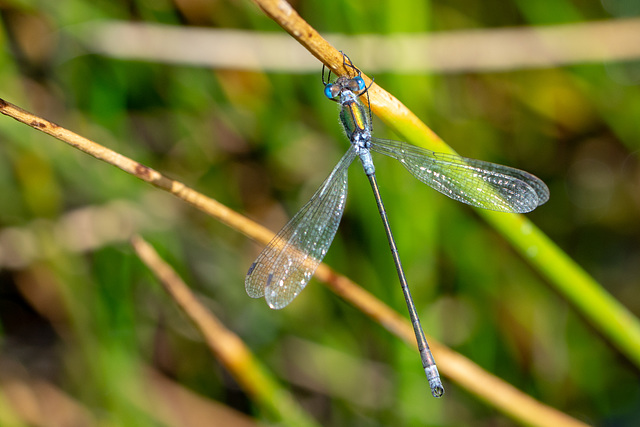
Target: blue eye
360 81
328 91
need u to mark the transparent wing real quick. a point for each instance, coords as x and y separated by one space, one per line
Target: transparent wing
284 267
474 182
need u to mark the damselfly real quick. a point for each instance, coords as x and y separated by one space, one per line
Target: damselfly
289 261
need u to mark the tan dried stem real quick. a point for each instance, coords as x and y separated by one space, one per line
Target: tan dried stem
228 348
383 104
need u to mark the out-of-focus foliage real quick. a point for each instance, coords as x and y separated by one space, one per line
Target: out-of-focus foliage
79 311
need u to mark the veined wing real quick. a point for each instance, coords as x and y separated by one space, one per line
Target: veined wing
284 267
474 182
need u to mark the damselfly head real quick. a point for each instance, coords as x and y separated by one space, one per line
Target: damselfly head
354 84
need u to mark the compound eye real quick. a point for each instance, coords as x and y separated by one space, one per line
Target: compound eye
331 91
360 82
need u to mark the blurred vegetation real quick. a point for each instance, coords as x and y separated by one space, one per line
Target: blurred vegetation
80 313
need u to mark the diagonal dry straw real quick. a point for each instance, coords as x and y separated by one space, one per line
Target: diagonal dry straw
227 346
452 365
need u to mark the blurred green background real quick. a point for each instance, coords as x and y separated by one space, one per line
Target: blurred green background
81 315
